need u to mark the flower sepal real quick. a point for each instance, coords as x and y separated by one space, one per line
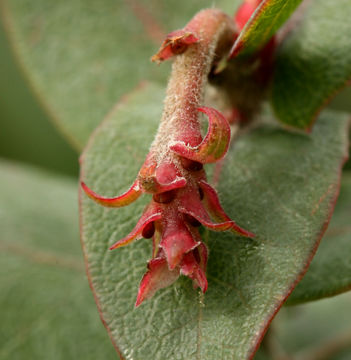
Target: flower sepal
175 43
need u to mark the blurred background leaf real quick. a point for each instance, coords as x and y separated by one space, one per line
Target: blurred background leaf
82 56
25 131
313 63
47 309
316 331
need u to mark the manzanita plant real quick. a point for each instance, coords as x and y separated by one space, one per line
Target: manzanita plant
239 205
204 51
173 171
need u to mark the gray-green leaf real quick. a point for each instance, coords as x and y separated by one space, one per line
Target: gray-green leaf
313 63
47 309
277 184
330 270
81 56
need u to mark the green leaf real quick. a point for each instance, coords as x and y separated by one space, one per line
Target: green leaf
313 63
330 270
279 185
47 310
269 16
82 56
316 330
51 150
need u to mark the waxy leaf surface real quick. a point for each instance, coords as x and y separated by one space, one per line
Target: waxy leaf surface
81 56
269 16
47 309
313 62
279 185
330 270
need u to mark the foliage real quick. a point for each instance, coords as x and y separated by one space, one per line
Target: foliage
277 181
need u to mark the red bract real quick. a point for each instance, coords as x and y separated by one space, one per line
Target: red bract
173 172
175 44
245 11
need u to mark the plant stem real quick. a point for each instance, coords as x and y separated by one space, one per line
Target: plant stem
186 87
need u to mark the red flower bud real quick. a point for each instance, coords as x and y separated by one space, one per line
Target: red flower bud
173 171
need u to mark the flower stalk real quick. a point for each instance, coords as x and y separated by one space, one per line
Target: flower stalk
173 172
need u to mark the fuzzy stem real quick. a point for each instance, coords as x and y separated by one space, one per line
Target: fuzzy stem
185 92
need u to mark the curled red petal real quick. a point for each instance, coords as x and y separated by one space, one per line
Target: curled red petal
194 266
191 204
198 212
157 277
212 202
202 253
125 199
178 183
157 178
213 206
175 43
156 239
176 241
199 278
215 144
168 177
150 214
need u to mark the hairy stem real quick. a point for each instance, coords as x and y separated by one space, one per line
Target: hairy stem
185 92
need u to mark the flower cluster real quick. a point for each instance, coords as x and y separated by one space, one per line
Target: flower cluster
173 173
